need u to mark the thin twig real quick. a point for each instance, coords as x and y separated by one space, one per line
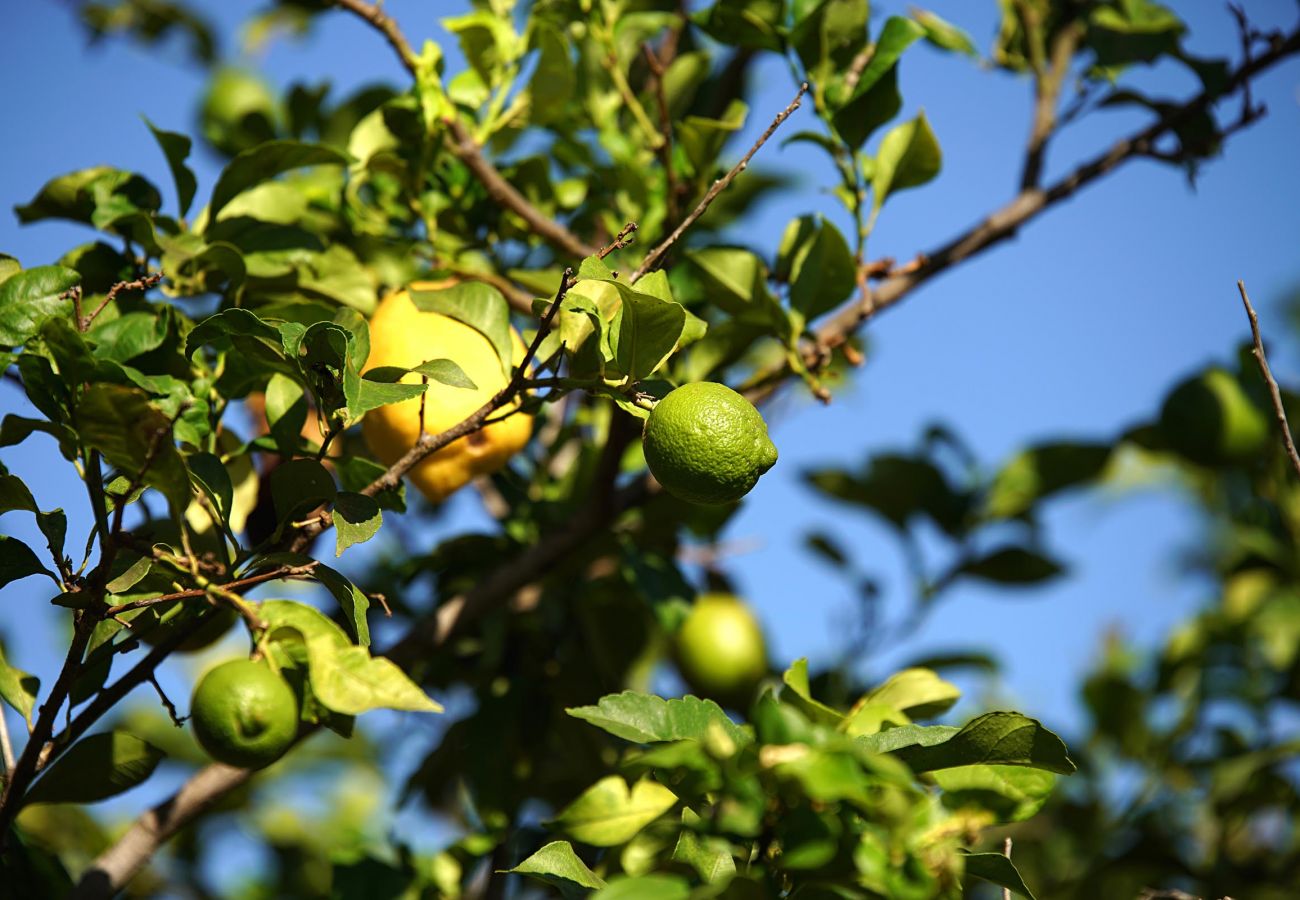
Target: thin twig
621 240
177 719
1047 91
239 584
1275 393
654 256
140 284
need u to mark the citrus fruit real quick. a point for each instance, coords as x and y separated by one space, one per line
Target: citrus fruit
403 335
1209 419
155 627
244 714
720 650
707 444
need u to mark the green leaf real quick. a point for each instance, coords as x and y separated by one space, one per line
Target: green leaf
380 387
350 599
17 561
133 575
821 270
702 139
210 475
610 813
95 196
644 333
478 305
997 869
9 266
31 297
446 371
18 688
176 147
918 692
944 35
129 430
356 520
1012 793
96 768
799 695
1013 565
996 738
1040 472
14 495
875 98
554 80
711 857
265 161
644 718
752 24
908 157
350 681
556 864
129 335
299 485
645 887
259 343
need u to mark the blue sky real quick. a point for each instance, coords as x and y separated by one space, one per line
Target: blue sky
1074 328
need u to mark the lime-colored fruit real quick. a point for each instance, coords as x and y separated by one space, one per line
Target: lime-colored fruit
720 650
402 335
707 444
154 627
244 714
1210 420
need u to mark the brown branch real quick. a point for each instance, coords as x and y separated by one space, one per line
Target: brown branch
1275 393
231 586
654 256
1047 92
467 149
25 769
1028 204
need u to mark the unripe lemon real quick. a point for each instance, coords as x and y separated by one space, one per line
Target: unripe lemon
707 444
720 650
402 335
1210 420
244 714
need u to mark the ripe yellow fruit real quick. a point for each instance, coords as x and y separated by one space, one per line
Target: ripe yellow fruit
720 650
402 335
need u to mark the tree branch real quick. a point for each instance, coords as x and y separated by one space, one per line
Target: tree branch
1275 394
1047 92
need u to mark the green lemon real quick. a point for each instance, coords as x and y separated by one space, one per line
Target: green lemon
720 650
244 714
1210 420
707 444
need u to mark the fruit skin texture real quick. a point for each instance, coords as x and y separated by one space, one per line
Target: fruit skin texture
402 335
707 444
1210 420
720 650
244 714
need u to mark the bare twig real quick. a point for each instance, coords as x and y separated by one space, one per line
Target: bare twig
1275 393
654 256
177 719
239 584
6 747
621 240
140 284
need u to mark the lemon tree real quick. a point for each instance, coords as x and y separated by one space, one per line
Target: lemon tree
720 650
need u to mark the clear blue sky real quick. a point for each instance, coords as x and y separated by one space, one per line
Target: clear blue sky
1075 328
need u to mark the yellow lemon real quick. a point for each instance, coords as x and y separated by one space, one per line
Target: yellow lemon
402 335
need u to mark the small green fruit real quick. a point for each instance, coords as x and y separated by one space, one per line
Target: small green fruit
707 444
244 714
720 650
1210 420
